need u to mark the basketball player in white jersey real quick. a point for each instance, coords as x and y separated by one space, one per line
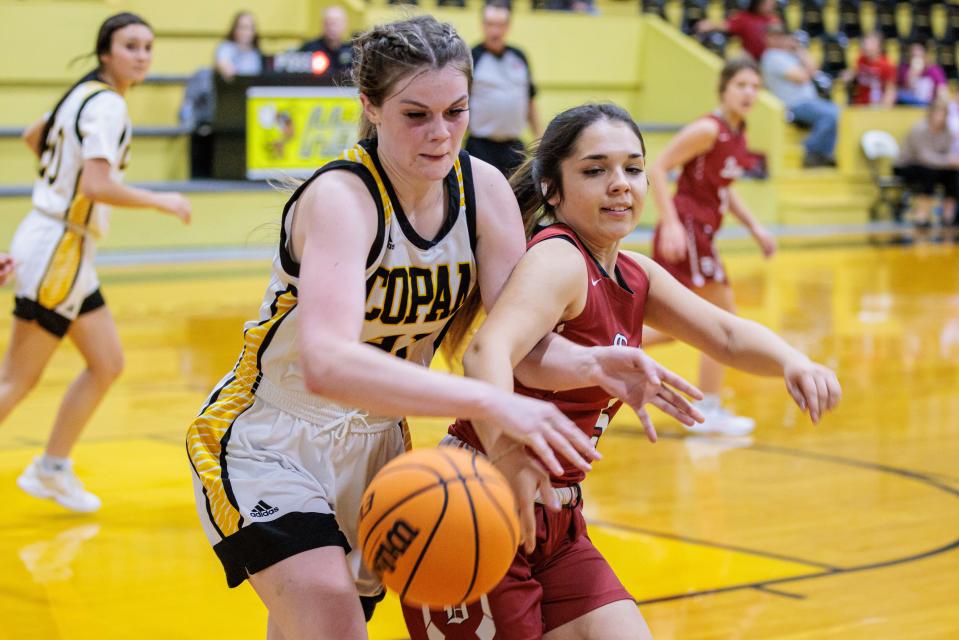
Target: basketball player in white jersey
82 146
377 252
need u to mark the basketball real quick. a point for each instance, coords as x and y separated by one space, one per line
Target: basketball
439 526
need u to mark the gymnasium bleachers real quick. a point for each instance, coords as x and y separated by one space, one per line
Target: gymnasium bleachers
827 22
650 51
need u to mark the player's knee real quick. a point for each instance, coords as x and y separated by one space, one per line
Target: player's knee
15 384
108 368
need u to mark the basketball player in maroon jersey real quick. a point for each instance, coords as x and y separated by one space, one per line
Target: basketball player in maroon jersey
6 268
588 184
712 154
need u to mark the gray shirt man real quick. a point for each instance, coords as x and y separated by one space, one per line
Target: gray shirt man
502 90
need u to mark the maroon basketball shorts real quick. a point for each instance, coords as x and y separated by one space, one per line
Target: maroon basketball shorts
565 578
701 264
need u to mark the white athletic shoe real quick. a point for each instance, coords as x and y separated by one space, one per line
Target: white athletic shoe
721 422
61 486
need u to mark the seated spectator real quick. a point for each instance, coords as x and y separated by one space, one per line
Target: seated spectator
239 54
787 72
926 161
874 78
333 44
749 25
920 80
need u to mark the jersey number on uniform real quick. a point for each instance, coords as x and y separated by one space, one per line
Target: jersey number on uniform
52 159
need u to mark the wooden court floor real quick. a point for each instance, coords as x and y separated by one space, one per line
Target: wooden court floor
845 530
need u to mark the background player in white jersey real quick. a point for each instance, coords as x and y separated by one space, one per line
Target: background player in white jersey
377 252
82 146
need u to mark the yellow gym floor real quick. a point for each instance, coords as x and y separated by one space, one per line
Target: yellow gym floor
844 530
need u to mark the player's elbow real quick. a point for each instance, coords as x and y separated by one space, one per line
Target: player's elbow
321 361
91 188
318 374
32 140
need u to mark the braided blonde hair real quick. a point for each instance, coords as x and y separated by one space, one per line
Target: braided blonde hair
388 53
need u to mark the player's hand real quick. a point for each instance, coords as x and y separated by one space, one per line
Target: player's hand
526 477
765 240
176 204
672 242
541 427
814 387
632 376
6 268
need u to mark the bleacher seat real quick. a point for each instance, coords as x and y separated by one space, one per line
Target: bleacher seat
693 12
714 41
657 7
850 20
921 12
881 151
945 52
813 20
951 32
732 6
834 47
886 19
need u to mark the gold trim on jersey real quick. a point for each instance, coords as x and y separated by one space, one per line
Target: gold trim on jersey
358 154
65 263
205 436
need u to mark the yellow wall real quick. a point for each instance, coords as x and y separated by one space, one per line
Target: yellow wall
220 220
152 159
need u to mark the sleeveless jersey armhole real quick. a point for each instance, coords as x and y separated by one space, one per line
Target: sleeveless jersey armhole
469 192
289 263
76 123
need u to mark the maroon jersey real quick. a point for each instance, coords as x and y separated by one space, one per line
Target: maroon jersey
613 315
701 193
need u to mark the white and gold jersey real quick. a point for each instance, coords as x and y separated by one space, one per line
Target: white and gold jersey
90 122
413 285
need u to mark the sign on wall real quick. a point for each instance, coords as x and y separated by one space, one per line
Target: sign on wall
292 131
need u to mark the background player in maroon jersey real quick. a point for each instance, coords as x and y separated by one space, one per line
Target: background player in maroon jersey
587 182
6 268
712 153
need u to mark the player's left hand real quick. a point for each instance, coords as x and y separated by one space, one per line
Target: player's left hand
814 387
765 240
632 376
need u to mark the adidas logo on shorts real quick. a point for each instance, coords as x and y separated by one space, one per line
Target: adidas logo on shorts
262 510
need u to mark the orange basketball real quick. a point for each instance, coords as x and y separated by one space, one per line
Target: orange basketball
439 526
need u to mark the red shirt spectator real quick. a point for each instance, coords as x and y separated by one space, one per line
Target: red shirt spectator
875 78
751 29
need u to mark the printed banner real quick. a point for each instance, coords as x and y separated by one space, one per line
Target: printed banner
292 131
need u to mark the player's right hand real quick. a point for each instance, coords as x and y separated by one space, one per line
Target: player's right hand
6 268
544 429
672 242
176 204
526 477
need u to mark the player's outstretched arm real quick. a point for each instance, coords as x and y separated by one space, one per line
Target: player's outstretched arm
98 185
737 342
332 249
